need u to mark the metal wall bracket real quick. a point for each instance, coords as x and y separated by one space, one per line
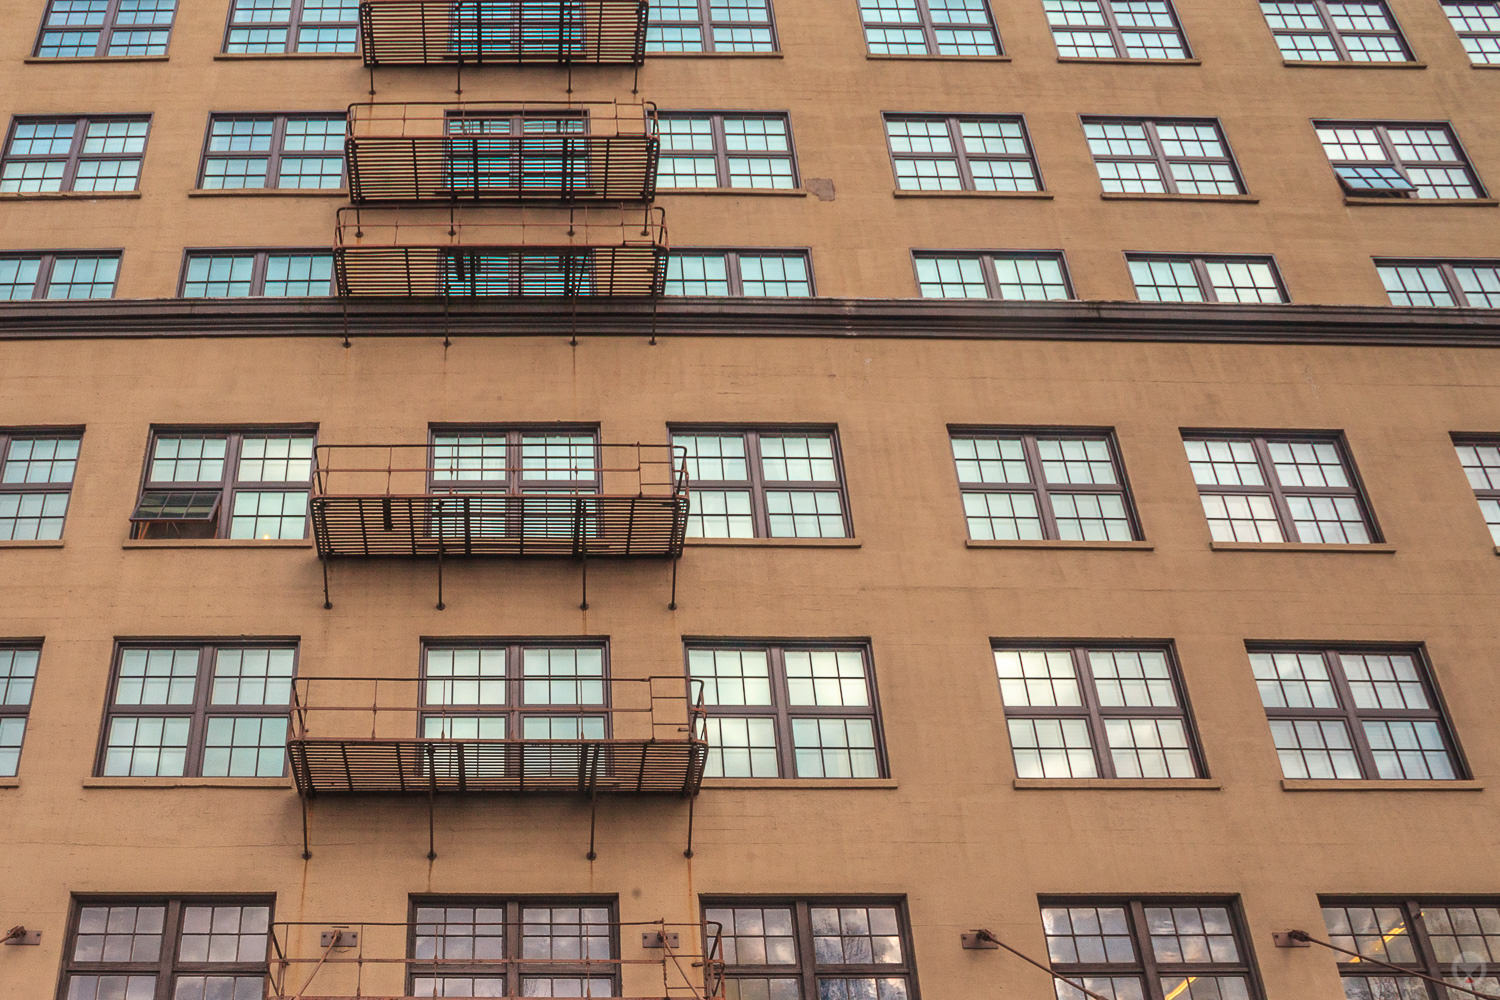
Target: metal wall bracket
972 941
656 939
1288 939
339 939
20 935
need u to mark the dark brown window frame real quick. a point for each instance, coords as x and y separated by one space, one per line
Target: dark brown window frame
928 25
1382 129
1200 262
293 24
1465 35
47 261
1117 35
515 710
514 484
987 268
706 24
262 257
959 155
20 711
1412 909
732 257
1336 35
9 434
1159 153
75 155
1472 440
1446 266
106 34
166 968
722 154
272 156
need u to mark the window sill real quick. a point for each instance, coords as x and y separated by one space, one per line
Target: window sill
712 55
1350 199
270 193
773 192
798 784
1243 199
217 543
93 59
236 56
935 58
1055 543
279 783
907 193
1315 64
1120 784
10 782
1127 61
65 195
775 543
23 543
1374 548
1377 785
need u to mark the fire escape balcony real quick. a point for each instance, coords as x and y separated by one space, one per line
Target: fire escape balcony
491 152
504 32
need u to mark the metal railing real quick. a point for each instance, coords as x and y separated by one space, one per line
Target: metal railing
478 32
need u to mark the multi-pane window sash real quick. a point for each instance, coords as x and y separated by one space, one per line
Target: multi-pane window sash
521 152
18 663
792 710
1096 712
484 946
929 28
58 276
1355 713
1056 484
1457 941
725 151
213 710
961 153
250 483
273 151
265 27
36 481
167 948
1150 949
753 273
1474 284
1480 458
1280 488
1399 160
764 483
1362 31
848 948
73 154
1116 29
77 29
724 26
488 461
1033 277
1477 23
1185 156
213 274
1219 278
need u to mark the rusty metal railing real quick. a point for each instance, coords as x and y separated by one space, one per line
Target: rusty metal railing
479 32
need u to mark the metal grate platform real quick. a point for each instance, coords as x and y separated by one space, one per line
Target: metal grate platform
480 32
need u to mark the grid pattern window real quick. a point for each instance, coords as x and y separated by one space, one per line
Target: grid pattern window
1399 160
270 27
711 26
1034 277
1472 284
493 947
152 948
1362 31
499 690
833 949
753 273
1480 458
1055 484
273 151
961 153
1455 941
712 150
1219 278
45 155
18 665
1182 156
493 461
789 710
1281 488
1477 23
1150 949
1355 713
81 29
36 482
1116 29
1096 712
765 483
218 274
225 484
929 28
198 710
58 276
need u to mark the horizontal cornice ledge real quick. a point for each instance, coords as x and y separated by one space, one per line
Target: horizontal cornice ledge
737 317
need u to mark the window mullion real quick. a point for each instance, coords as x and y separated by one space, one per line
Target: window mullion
758 503
1150 972
721 149
107 30
75 154
198 719
1159 153
705 20
1039 486
1273 484
43 275
1104 761
1334 664
806 955
1116 33
1450 278
293 25
171 936
229 481
960 155
278 142
1326 16
1422 945
781 697
1200 271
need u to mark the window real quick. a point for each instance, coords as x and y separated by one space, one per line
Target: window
36 479
153 948
500 690
470 272
1480 458
834 949
754 273
710 26
200 710
58 276
1398 160
489 461
789 711
1015 276
225 484
1456 941
1477 23
1162 156
764 483
725 151
1116 29
1280 488
1150 949
929 28
505 29
73 154
265 27
77 29
932 153
1055 484
1219 278
217 274
1355 713
1361 31
490 947
519 153
273 151
17 677
1474 284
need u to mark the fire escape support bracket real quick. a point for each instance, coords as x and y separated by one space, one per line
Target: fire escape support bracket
440 605
593 823
431 808
327 601
581 542
688 851
306 850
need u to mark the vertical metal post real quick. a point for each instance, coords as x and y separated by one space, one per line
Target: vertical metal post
440 605
327 604
691 803
593 818
431 835
306 851
672 604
